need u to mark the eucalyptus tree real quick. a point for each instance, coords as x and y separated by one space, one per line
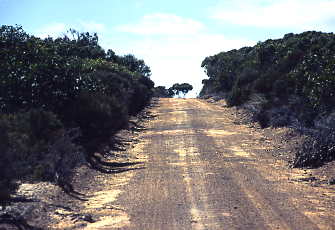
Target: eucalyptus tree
183 88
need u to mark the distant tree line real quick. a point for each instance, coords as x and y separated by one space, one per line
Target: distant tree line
60 99
175 90
288 81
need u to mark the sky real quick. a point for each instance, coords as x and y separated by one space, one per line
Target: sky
173 37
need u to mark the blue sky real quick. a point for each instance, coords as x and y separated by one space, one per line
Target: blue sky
174 36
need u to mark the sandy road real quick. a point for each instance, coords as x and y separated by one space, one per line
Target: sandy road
205 172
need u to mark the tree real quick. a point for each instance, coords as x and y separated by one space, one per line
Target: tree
134 64
183 88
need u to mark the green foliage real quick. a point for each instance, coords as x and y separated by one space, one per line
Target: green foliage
130 62
109 115
301 65
237 96
161 91
317 149
183 88
296 77
49 87
27 137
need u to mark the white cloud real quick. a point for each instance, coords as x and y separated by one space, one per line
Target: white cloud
288 14
179 59
172 46
91 27
163 24
52 30
177 56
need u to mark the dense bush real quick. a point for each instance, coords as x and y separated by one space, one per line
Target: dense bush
60 97
317 149
295 75
300 65
319 146
98 116
26 137
161 91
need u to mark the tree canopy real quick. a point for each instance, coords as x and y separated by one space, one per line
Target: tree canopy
183 88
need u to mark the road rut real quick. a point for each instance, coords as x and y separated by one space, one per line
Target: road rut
203 171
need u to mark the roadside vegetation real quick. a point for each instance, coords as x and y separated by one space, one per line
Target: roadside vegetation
163 92
61 100
283 82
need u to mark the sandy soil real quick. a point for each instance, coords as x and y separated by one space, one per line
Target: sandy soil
201 169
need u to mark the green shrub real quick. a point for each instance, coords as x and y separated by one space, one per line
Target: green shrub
317 149
59 98
27 135
23 149
98 115
295 74
7 172
237 96
298 65
27 155
139 98
161 91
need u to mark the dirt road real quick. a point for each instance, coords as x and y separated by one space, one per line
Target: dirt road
202 171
